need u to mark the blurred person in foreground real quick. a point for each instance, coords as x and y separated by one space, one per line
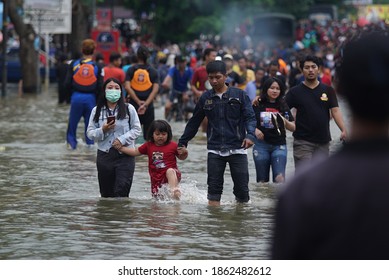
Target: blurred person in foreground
337 208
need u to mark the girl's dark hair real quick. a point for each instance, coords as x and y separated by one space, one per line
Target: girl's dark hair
102 101
267 84
142 53
161 126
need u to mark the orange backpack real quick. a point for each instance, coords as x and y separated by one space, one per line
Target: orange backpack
84 76
141 80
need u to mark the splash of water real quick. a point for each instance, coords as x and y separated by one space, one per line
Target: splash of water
190 193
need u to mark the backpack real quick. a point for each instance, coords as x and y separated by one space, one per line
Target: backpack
84 76
141 79
129 115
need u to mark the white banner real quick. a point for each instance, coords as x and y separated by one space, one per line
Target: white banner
192 270
51 20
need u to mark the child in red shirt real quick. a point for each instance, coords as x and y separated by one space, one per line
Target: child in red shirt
163 154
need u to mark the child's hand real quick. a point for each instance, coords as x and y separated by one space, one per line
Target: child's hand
117 144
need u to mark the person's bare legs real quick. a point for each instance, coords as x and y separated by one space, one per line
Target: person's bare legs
213 203
168 107
172 180
280 178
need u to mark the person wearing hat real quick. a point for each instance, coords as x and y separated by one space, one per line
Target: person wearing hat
233 78
177 80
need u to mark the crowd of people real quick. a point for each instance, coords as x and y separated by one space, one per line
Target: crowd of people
244 98
276 83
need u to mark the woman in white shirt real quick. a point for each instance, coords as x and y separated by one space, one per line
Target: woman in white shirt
114 124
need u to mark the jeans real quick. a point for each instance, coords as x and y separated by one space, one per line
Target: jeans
239 172
266 155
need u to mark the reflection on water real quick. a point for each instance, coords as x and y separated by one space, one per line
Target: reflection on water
50 206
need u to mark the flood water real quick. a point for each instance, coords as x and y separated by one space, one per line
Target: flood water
50 206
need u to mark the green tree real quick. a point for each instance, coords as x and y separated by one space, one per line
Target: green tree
178 20
28 55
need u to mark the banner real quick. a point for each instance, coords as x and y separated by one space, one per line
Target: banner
50 20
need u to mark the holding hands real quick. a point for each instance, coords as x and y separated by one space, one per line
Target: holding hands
182 153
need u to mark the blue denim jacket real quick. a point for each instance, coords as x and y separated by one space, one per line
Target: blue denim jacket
231 119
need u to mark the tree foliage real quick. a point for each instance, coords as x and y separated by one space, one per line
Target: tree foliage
178 20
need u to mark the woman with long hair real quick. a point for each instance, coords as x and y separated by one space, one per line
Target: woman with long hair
112 125
273 116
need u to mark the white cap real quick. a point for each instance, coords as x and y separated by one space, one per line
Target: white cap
228 56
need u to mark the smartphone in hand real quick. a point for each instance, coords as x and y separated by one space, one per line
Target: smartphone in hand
110 119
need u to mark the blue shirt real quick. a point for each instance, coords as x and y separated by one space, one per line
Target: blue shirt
180 81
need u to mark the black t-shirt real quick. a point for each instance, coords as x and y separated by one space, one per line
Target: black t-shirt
153 73
313 111
272 126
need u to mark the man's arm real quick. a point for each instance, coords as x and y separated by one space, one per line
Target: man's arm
193 124
152 95
249 117
166 82
337 115
131 92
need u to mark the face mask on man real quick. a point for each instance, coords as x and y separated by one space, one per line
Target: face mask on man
112 95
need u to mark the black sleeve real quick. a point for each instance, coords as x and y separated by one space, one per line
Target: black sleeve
69 77
100 81
130 73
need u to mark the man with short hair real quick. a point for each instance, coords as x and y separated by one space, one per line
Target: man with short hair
314 102
230 132
178 79
200 82
233 78
113 69
246 74
142 86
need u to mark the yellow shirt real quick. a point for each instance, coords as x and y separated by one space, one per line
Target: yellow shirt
250 76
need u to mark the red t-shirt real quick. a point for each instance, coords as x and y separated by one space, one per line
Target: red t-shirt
161 158
114 72
200 76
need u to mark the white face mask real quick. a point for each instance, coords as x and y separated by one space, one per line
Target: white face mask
112 95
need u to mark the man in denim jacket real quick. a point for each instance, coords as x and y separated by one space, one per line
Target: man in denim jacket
230 132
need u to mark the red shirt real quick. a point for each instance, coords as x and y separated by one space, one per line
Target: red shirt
114 72
161 158
200 76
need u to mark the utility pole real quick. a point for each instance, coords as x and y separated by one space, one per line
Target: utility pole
4 49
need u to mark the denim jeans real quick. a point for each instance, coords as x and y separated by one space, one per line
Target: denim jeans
266 155
239 172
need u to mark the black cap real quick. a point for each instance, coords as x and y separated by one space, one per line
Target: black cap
181 58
